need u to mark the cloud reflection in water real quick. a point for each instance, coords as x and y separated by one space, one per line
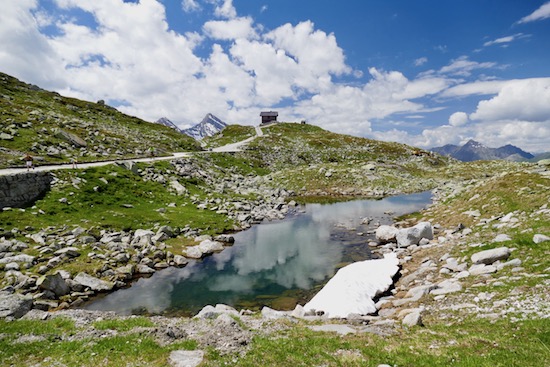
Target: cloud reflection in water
296 253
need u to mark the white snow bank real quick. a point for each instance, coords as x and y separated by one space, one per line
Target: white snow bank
353 287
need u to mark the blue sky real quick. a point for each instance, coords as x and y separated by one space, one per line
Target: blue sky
426 73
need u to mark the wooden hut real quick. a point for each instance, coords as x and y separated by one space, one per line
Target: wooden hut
269 116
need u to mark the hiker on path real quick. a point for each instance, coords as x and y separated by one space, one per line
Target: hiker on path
28 160
74 162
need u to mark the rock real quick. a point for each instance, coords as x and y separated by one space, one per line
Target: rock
14 304
479 269
186 358
298 312
269 313
209 246
45 304
21 258
472 213
125 272
4 136
166 230
93 283
54 283
417 292
490 256
39 238
539 238
179 188
447 286
11 266
193 252
144 269
385 234
54 262
413 319
211 312
502 238
412 236
70 138
68 252
225 238
87 239
334 328
143 237
512 263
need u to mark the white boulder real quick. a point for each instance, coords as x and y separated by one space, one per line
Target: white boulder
385 234
412 236
488 257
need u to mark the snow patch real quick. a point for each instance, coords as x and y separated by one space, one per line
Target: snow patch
352 289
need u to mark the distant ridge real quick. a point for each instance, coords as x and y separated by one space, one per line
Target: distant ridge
209 126
474 151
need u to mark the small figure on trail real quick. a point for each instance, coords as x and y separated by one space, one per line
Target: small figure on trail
28 161
74 162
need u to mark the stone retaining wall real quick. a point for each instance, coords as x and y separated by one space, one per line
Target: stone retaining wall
23 189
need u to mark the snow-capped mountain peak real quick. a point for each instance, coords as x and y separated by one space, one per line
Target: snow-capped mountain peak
209 126
166 122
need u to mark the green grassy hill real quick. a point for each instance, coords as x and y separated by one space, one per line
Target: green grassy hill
316 162
54 128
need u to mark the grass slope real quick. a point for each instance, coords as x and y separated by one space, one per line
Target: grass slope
38 121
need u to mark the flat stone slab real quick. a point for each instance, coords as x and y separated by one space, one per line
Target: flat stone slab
488 257
336 328
186 358
93 283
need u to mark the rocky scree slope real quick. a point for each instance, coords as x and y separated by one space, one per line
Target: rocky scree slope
54 129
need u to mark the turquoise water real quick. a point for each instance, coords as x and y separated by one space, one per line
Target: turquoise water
276 264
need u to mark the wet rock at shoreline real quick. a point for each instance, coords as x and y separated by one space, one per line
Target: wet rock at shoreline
411 236
93 283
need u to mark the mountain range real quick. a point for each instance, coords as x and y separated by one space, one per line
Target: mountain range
474 151
209 126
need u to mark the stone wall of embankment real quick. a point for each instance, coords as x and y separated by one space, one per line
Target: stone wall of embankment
23 189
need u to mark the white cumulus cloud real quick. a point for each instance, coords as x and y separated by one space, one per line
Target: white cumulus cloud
230 29
458 119
519 99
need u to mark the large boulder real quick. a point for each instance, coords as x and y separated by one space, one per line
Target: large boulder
488 257
14 305
209 246
71 138
54 283
385 234
211 312
193 252
540 238
93 283
412 236
21 258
